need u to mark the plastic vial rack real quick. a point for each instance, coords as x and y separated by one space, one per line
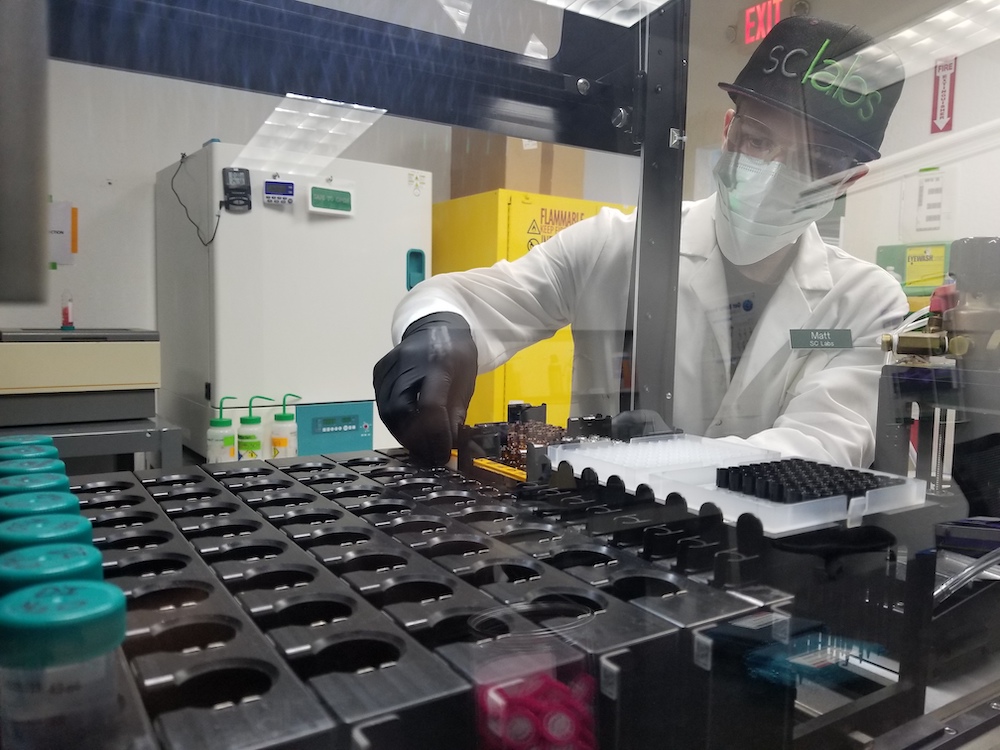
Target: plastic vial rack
786 495
794 494
684 458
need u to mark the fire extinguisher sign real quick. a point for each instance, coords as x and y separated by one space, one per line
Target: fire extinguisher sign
944 95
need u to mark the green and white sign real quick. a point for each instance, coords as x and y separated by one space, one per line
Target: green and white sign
821 338
331 200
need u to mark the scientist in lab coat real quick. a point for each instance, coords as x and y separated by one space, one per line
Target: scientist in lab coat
810 109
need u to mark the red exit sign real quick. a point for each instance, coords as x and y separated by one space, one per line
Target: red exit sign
758 20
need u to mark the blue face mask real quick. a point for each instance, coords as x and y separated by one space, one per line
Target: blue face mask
763 206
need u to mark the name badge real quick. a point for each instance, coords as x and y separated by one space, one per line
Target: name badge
821 338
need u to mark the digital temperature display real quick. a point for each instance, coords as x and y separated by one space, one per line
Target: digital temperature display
278 192
334 427
348 423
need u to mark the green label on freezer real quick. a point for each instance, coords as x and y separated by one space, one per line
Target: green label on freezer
329 199
821 338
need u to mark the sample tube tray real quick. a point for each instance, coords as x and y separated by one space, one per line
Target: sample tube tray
205 674
347 585
190 549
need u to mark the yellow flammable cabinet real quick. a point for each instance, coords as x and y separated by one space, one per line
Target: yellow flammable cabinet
479 230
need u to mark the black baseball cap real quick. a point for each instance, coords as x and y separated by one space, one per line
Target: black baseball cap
835 75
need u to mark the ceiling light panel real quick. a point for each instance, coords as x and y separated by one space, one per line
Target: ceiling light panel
954 31
304 134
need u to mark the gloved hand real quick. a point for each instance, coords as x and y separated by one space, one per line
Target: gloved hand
639 423
424 385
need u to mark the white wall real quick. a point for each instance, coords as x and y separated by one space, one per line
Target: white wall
110 131
968 157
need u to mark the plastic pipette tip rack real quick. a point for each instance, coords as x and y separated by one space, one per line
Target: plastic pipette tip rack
797 480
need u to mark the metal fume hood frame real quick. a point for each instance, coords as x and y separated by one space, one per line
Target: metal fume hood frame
278 46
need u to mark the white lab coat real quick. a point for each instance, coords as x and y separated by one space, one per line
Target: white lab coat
819 404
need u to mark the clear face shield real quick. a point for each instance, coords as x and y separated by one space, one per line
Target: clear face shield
771 188
811 161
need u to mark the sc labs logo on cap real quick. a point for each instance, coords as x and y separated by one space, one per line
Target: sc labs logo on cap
834 78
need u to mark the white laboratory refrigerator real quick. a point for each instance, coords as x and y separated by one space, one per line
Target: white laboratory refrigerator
294 295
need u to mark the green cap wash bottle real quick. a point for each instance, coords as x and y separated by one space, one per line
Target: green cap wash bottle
284 431
221 437
253 435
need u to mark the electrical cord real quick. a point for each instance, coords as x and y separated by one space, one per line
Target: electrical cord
197 229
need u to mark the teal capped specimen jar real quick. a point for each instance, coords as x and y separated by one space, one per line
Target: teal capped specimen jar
58 679
50 528
6 441
31 466
49 563
15 452
43 482
36 504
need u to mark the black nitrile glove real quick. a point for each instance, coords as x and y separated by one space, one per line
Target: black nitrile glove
424 385
639 423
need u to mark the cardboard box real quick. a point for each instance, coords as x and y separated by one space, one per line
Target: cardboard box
482 161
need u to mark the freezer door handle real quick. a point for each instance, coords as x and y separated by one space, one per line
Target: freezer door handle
416 268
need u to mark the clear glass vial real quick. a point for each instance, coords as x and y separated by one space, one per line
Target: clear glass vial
58 684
